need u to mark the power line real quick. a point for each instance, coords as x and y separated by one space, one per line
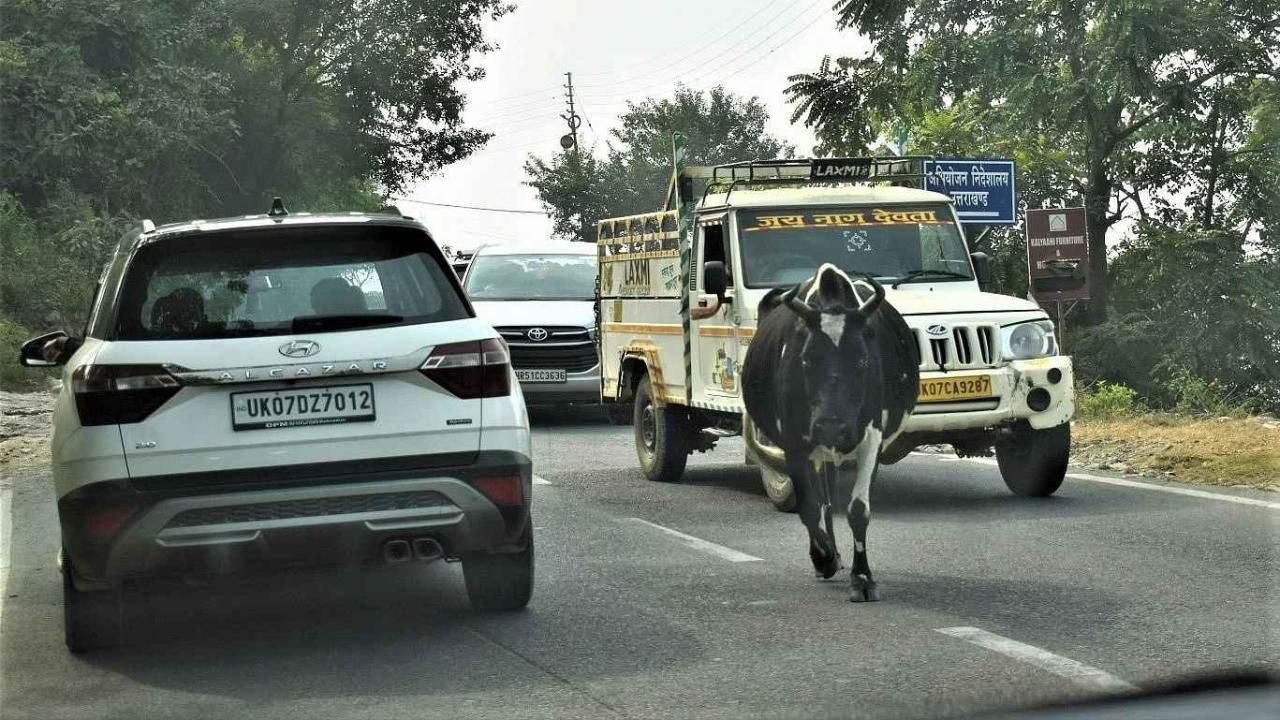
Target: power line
750 47
471 207
608 106
696 52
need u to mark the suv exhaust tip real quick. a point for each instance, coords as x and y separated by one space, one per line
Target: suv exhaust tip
395 551
427 549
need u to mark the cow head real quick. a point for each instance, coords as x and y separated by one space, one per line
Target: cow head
836 353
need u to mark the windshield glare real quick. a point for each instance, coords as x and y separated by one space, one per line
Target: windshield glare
532 277
783 246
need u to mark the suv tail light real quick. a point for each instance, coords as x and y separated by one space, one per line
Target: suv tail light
92 517
475 369
112 394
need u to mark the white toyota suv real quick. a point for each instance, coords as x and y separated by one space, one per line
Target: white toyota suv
541 298
284 390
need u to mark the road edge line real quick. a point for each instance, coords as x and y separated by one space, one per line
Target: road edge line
1140 485
6 534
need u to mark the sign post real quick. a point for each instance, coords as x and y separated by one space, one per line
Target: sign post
1058 258
984 191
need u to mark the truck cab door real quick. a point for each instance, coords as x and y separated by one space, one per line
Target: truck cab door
715 346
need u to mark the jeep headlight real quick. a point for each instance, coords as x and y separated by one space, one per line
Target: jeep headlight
1028 340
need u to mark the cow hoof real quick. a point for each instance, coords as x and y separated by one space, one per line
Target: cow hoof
825 567
863 589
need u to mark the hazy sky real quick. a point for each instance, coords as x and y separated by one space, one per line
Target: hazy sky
617 51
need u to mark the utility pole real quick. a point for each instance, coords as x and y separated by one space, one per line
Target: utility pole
570 141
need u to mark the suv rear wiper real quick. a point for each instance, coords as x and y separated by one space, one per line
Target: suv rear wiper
320 323
913 275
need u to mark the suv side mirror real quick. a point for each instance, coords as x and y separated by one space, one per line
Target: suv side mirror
981 267
48 350
714 280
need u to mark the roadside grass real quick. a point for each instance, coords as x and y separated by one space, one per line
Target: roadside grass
1227 451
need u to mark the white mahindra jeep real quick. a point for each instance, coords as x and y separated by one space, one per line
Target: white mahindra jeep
672 343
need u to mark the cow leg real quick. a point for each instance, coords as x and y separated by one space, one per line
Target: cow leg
861 587
822 545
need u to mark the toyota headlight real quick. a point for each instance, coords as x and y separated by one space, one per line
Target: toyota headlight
1028 340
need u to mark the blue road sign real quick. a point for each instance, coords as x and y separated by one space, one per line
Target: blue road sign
984 190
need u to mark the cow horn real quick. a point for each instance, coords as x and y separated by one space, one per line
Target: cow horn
810 316
869 306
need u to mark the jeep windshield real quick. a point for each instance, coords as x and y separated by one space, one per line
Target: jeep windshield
532 277
783 246
282 281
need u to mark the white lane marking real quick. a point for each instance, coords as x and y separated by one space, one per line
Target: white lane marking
539 480
1077 672
699 544
6 530
1121 482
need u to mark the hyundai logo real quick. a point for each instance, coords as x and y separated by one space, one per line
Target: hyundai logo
300 348
937 330
538 334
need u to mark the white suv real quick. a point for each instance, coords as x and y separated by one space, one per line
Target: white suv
541 298
282 390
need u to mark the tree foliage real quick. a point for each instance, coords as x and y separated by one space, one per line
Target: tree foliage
633 178
1189 303
1083 92
113 110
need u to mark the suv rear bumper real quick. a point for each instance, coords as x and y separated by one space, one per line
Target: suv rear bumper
208 530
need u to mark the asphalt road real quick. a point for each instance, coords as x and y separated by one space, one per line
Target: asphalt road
990 602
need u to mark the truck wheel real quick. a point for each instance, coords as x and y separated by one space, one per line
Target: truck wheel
500 582
779 489
91 619
662 437
1034 462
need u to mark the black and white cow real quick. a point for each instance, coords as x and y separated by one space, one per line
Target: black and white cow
831 378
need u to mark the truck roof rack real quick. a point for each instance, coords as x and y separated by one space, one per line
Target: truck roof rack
892 169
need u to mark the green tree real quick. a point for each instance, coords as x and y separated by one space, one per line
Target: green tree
1189 301
1079 84
576 189
721 127
115 110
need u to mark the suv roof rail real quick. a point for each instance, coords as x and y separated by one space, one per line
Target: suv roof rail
148 226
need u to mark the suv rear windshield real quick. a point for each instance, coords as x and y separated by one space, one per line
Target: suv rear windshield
285 280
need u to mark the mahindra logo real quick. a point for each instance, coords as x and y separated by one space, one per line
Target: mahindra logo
937 330
300 348
538 334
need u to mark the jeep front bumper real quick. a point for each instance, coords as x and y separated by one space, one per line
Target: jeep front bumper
1040 391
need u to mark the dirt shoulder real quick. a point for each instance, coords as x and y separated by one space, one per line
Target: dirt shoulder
1232 452
24 432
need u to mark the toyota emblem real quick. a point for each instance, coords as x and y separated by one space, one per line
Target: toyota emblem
300 348
538 334
937 330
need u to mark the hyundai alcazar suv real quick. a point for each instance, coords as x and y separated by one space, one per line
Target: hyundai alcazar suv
284 390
